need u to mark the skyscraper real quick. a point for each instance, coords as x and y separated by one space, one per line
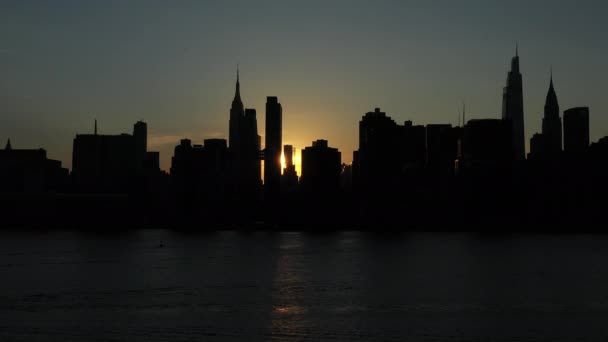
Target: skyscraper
552 124
272 153
290 176
237 112
109 163
140 135
513 107
576 130
321 167
244 146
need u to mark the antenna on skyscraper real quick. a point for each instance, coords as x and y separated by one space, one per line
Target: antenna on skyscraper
463 114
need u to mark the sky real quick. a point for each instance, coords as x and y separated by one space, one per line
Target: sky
64 63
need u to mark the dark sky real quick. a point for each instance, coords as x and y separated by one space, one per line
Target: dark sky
172 64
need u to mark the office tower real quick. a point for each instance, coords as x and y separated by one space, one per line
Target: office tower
321 168
272 152
376 163
201 172
387 152
109 163
288 152
513 108
290 176
487 142
552 124
537 146
576 130
244 147
251 167
140 135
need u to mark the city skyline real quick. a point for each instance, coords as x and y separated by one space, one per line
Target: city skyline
326 77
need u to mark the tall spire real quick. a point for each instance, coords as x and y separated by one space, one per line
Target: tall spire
515 60
552 126
551 104
8 145
513 106
464 122
237 94
95 126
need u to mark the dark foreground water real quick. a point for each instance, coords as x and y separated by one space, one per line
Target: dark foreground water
351 286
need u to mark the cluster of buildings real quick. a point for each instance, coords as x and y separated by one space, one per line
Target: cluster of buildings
220 170
391 156
30 171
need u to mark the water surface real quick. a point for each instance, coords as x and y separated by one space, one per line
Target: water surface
351 286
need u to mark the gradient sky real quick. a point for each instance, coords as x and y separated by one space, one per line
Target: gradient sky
172 64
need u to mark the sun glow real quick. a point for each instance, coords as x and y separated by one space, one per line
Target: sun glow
297 161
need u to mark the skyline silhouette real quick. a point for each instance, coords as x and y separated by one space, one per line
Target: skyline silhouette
243 124
412 169
417 62
303 171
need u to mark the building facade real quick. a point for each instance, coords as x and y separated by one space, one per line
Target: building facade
513 108
272 151
576 130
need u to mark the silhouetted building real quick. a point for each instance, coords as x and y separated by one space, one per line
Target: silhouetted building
346 177
513 108
201 172
576 130
321 168
487 142
140 133
389 153
537 146
441 149
251 166
600 149
109 163
30 171
244 147
412 142
272 152
376 163
290 176
552 125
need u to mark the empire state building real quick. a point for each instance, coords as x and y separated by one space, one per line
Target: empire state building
244 146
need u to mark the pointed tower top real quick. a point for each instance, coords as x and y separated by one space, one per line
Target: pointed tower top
8 145
95 126
551 103
237 93
515 60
